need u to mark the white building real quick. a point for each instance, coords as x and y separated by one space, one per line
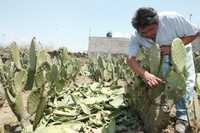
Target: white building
117 44
107 45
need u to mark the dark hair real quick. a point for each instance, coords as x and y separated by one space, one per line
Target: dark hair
143 17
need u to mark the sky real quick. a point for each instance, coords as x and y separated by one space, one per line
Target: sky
69 23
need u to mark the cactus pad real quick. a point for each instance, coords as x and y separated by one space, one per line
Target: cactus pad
154 59
15 54
32 55
20 80
176 85
42 57
198 81
178 54
33 101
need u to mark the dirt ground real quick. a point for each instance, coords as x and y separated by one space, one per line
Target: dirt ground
6 115
8 121
7 118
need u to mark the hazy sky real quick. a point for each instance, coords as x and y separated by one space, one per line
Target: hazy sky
69 22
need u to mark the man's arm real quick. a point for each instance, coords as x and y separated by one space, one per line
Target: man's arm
166 49
134 65
149 78
188 39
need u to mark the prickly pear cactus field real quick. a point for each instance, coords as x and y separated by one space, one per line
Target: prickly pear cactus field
61 92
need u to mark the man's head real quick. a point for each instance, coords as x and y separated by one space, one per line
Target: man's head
145 22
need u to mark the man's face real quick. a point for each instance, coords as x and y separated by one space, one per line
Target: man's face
149 31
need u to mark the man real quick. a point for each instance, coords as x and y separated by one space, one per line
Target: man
162 29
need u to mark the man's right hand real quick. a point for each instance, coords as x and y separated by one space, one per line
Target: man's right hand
151 79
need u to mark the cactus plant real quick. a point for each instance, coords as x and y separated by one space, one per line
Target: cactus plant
15 79
159 100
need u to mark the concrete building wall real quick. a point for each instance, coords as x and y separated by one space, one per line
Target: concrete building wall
106 45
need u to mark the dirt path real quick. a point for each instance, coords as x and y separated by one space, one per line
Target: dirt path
6 115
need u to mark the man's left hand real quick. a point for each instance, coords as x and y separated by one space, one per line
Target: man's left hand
165 50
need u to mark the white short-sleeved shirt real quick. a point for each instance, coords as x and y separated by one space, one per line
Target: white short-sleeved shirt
171 25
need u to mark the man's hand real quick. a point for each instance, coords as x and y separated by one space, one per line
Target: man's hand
165 50
151 79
